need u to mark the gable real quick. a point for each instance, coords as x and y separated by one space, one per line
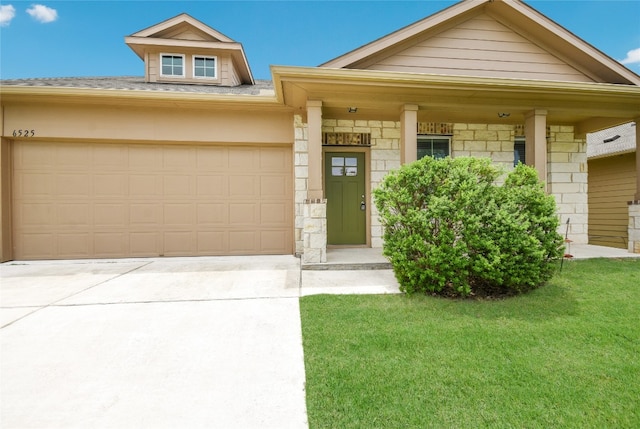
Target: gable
488 38
480 46
187 41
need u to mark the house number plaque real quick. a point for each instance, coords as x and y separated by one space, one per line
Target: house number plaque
24 133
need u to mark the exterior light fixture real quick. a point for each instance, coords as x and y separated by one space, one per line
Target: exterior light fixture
352 109
503 115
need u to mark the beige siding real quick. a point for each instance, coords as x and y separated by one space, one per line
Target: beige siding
611 185
480 46
86 200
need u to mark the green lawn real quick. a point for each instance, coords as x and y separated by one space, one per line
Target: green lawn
564 356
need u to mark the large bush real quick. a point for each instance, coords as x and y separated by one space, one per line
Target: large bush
450 229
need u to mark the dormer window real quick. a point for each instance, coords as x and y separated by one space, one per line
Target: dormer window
204 67
172 65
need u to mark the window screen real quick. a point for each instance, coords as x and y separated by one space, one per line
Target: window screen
435 146
518 151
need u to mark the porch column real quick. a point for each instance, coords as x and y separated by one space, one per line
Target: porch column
535 131
409 133
314 121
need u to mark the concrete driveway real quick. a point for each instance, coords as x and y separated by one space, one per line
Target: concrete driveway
152 343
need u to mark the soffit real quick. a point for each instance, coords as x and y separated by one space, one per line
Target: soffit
381 95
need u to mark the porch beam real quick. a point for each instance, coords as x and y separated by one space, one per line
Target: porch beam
314 122
535 132
409 133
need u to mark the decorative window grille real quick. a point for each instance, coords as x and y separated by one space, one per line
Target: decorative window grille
346 139
437 128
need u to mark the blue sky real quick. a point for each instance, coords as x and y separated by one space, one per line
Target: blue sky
86 38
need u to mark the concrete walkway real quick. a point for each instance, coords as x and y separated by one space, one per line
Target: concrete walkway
211 342
153 343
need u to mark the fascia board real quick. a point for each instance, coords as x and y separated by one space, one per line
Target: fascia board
23 94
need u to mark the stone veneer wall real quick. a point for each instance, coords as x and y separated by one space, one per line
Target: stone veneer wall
493 141
566 178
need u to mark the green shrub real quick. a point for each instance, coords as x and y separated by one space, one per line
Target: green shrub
450 230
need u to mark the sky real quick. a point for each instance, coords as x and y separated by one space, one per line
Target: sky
77 38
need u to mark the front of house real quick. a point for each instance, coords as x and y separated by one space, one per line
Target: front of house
198 158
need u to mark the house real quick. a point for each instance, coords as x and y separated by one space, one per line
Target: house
199 158
611 155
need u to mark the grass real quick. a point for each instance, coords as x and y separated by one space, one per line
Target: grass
566 355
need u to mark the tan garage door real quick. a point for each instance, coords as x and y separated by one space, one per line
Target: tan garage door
73 200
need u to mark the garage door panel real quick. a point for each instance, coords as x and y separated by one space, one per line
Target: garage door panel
74 185
74 244
178 243
145 186
144 243
109 186
110 215
110 157
148 215
71 157
243 213
145 158
212 186
212 214
178 186
119 200
35 215
275 213
212 242
37 245
110 244
30 184
77 215
179 214
273 240
179 159
275 186
242 241
212 158
243 186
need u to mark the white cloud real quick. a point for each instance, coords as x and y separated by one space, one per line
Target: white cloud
42 13
7 13
633 57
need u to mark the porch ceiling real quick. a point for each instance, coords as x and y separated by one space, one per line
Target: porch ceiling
381 95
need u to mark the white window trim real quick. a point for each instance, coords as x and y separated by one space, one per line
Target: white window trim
184 65
208 57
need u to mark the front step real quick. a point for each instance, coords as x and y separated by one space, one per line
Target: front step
351 266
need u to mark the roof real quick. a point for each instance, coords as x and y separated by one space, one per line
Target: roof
135 83
513 14
612 141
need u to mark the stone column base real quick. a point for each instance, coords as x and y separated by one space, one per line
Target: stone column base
634 226
314 231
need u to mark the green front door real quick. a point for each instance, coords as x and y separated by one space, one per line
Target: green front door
346 202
